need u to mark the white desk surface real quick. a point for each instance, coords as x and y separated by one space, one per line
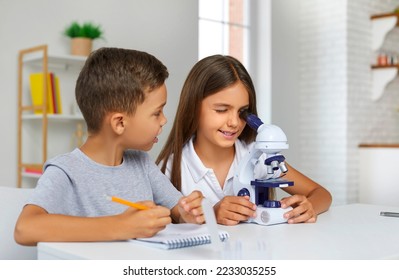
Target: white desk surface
355 231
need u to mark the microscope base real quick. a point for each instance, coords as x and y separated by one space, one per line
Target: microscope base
269 216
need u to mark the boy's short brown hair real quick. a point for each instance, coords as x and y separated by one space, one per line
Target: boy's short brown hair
116 80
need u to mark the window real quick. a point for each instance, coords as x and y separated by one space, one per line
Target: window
224 28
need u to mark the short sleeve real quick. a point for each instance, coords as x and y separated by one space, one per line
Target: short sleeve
51 190
163 191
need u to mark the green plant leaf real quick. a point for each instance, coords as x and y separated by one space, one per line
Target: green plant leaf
87 30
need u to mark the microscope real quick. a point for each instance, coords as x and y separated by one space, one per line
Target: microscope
270 140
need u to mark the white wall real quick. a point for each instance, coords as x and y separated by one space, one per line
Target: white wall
260 55
321 87
166 29
284 73
323 93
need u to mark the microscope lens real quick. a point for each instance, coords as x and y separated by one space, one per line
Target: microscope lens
283 167
274 165
269 170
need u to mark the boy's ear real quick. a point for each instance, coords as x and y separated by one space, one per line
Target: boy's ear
118 123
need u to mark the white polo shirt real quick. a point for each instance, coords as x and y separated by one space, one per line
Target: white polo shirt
195 176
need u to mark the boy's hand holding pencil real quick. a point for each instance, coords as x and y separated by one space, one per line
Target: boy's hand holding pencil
150 218
141 219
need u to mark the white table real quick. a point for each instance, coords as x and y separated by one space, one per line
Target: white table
355 231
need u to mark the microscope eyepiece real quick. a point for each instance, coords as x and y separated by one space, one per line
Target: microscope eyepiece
252 120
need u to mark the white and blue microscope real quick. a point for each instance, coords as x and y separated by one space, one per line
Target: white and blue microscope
270 140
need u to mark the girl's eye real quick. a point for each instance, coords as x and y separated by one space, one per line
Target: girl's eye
245 110
220 110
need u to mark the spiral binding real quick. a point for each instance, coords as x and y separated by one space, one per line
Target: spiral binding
193 241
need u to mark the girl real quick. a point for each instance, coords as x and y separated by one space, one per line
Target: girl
208 139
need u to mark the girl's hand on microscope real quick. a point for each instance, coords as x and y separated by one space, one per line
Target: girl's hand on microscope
302 211
234 209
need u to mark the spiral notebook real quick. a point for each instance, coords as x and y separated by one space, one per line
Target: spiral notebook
176 236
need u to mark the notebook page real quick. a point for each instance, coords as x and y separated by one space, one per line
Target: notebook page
180 235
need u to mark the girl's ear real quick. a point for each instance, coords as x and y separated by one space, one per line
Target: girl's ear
118 123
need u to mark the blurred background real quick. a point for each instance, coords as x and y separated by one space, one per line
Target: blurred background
310 61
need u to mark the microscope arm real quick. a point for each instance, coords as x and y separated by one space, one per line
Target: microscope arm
245 173
247 166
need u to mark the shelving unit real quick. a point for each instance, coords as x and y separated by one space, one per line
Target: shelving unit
382 75
380 26
38 59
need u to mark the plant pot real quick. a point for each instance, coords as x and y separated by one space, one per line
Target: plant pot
81 46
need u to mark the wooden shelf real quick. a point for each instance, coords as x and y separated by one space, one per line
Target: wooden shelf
30 175
56 117
384 66
379 145
385 15
380 26
382 75
56 61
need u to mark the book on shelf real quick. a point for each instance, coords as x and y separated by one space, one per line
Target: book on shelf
176 236
36 171
37 89
51 101
58 103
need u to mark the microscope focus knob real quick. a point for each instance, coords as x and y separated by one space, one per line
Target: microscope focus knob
243 192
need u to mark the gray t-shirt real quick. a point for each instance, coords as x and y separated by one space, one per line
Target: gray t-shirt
73 184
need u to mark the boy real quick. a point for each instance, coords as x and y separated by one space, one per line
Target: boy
121 94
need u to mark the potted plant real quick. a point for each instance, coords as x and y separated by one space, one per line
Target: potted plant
82 37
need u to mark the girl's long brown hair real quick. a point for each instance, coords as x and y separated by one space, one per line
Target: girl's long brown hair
208 76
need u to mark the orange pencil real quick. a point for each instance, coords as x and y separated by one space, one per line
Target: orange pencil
127 203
